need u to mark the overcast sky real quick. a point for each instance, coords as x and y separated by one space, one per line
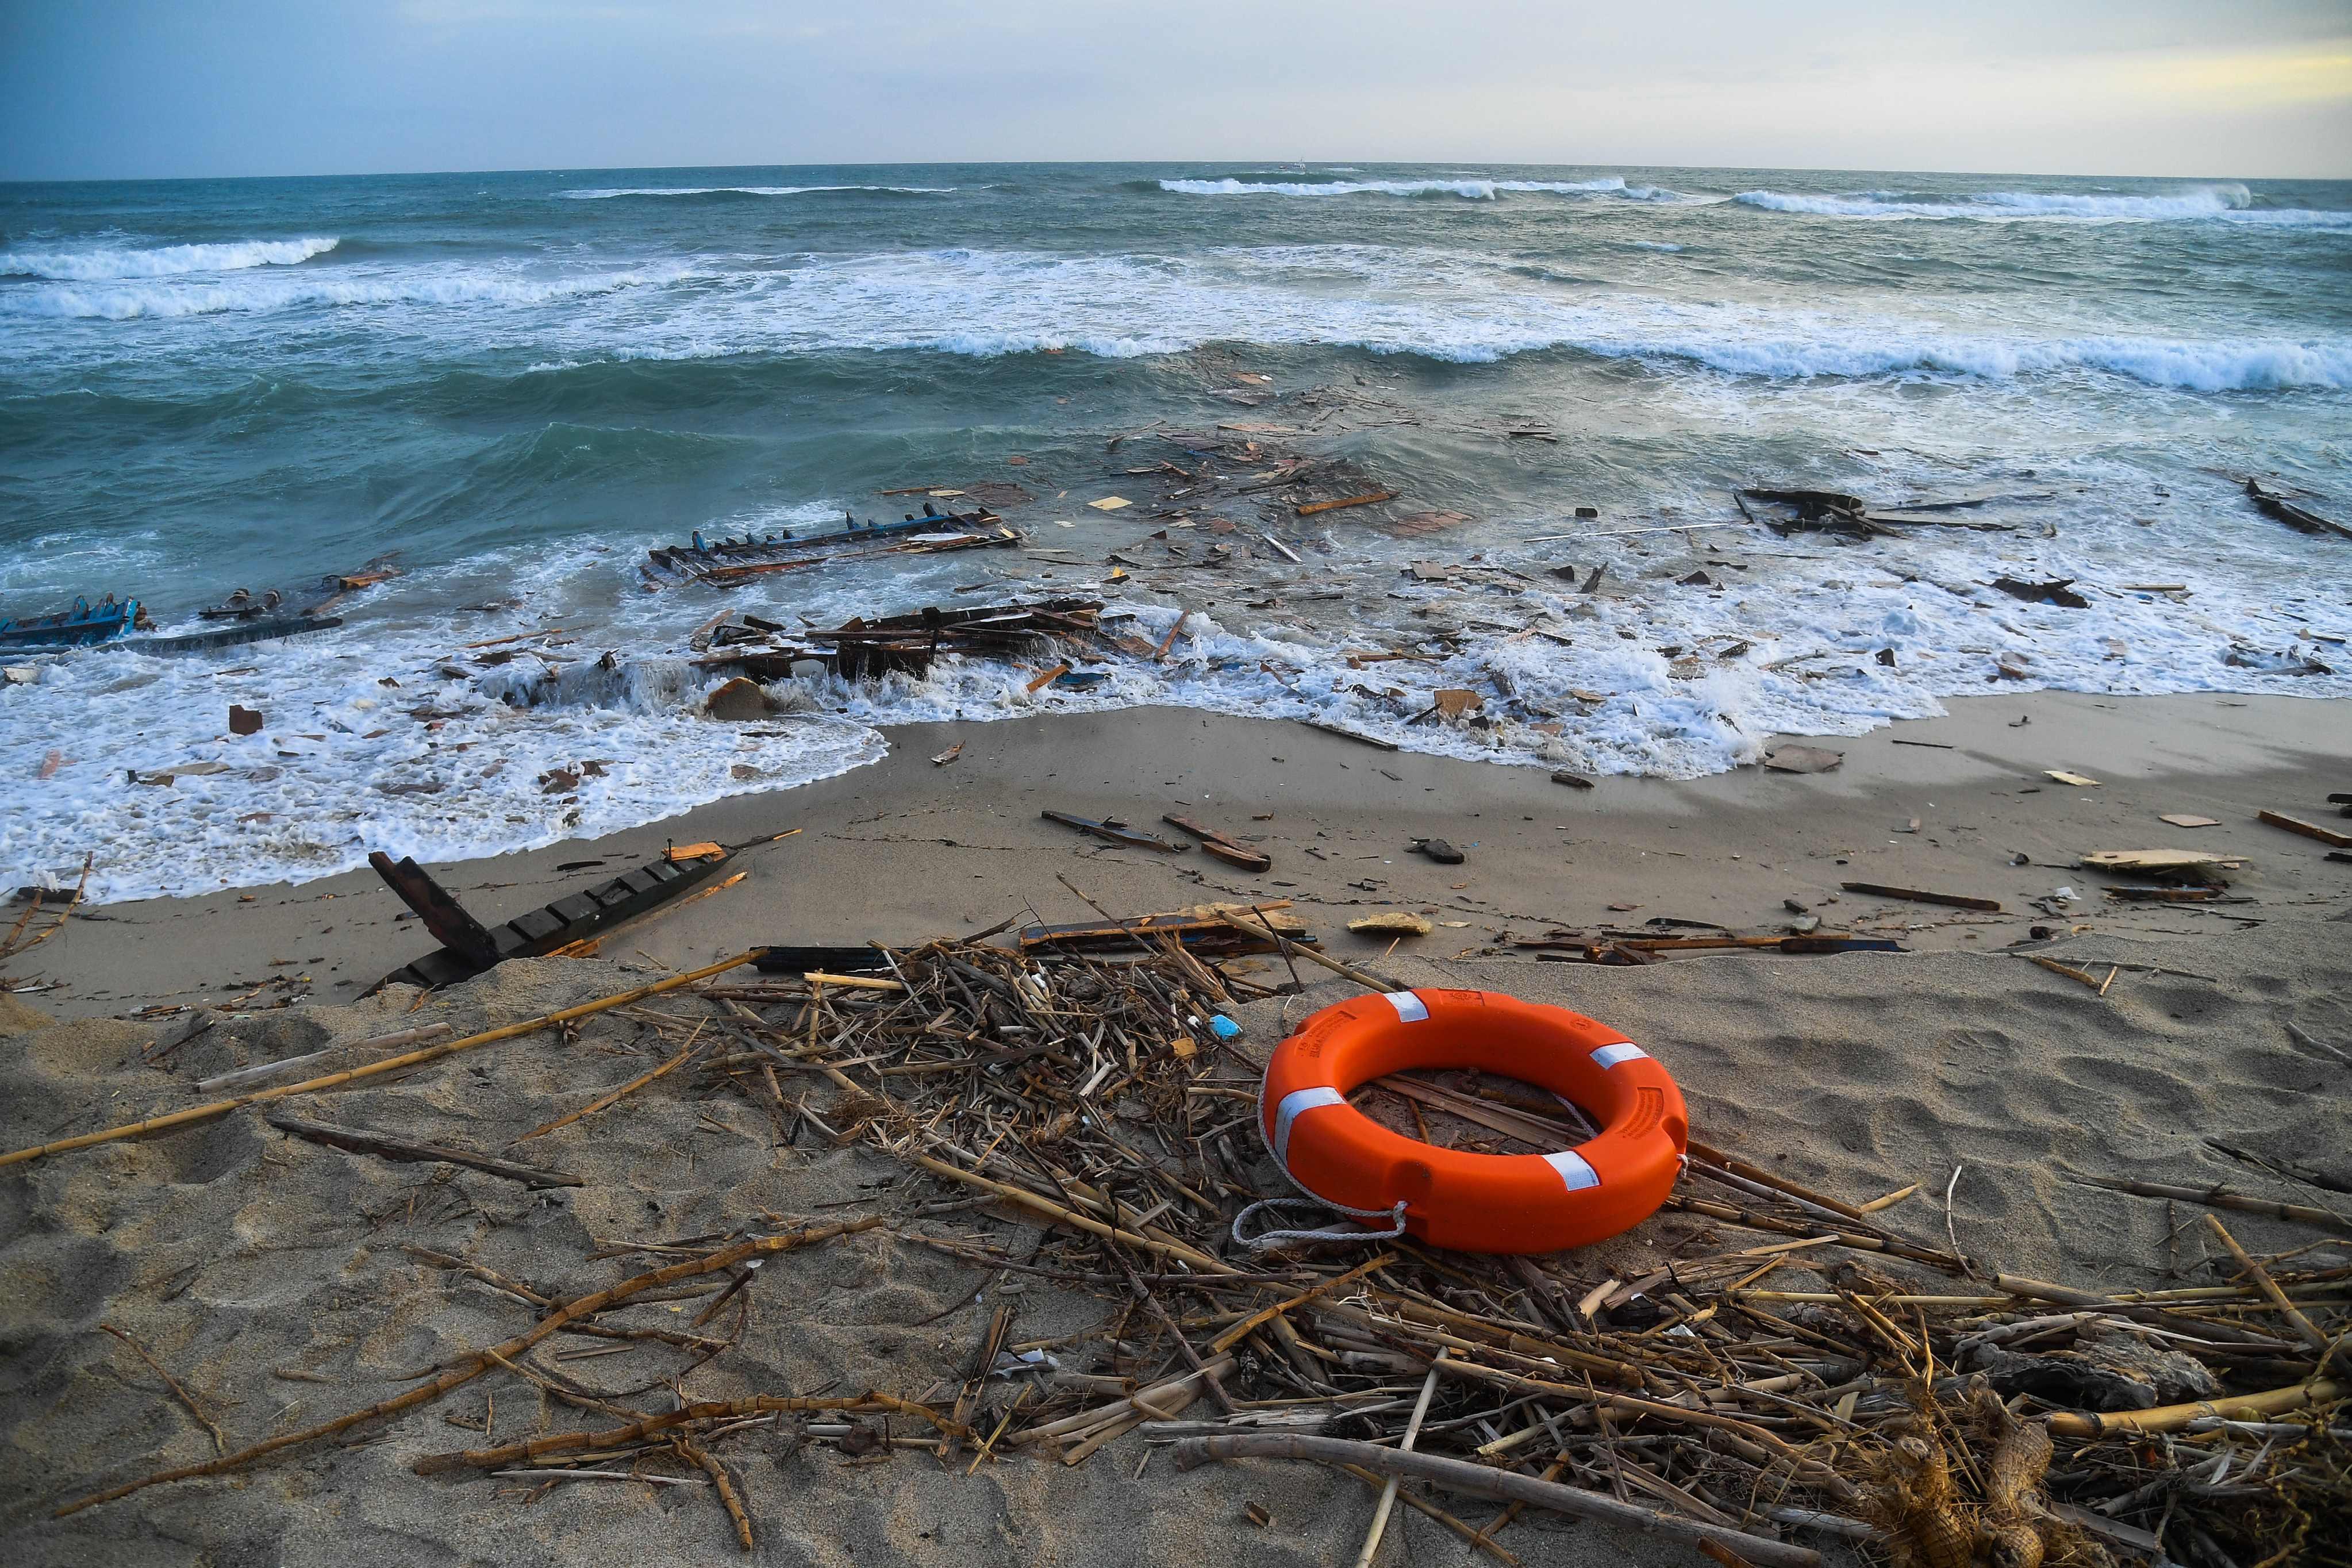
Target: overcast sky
125 89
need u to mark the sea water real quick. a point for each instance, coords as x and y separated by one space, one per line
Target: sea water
521 381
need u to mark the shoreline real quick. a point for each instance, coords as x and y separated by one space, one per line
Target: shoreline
863 862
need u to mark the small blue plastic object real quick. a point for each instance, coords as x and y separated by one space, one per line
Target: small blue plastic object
1224 1027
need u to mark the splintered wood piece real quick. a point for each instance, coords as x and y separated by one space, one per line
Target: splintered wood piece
2187 819
2163 865
943 758
1215 843
2080 781
693 852
1392 922
1802 760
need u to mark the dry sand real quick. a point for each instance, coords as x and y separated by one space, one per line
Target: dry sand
269 1274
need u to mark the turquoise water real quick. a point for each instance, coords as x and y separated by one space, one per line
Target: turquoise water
519 381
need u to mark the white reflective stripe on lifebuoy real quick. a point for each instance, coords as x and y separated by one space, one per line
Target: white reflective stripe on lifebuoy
1573 1170
1623 1051
1410 1009
1295 1101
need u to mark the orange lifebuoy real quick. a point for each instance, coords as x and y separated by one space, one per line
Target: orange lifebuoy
1476 1203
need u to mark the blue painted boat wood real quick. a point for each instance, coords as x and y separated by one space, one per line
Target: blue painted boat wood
83 625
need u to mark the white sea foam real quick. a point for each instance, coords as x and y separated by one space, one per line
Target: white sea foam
2227 203
127 301
1468 190
606 195
334 771
101 263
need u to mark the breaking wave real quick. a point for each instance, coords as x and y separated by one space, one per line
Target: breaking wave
132 301
1468 190
106 262
2226 202
606 195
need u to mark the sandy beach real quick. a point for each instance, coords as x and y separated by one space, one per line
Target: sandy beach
276 1278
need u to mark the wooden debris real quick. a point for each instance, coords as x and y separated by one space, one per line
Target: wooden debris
1392 922
1357 736
1918 896
2080 781
2059 591
2328 836
2189 819
942 759
1481 1480
2274 505
212 1427
1370 498
469 947
1114 831
1802 759
1216 844
360 1141
2163 865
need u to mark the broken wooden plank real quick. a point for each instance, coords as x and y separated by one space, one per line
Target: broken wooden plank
1216 844
1921 896
2328 836
358 1140
2274 505
1345 733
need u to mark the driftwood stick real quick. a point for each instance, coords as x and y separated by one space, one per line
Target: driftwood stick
195 1113
616 1096
533 1448
362 1141
1289 949
1044 1205
474 1366
220 1439
1467 1532
2217 1198
1481 1480
709 1465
